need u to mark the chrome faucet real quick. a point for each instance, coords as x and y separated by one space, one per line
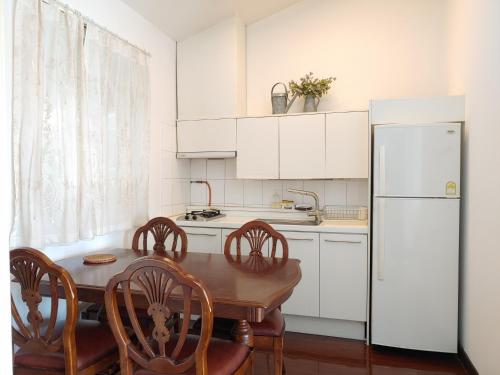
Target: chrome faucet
317 212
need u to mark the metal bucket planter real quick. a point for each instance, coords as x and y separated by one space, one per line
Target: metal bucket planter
311 103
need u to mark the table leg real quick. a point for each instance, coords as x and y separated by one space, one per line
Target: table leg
243 333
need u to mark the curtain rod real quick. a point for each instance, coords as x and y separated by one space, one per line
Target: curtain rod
86 19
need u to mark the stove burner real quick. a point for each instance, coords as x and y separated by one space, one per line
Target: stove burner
202 215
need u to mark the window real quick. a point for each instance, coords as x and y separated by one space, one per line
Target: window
80 128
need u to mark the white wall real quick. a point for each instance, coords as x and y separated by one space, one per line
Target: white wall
375 48
456 47
211 72
480 273
164 168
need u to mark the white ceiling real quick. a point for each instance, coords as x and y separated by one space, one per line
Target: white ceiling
183 18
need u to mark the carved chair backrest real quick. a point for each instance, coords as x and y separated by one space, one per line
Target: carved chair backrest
32 269
161 228
168 289
257 233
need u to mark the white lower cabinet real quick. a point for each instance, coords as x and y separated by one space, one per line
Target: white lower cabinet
203 240
334 269
343 276
305 298
245 247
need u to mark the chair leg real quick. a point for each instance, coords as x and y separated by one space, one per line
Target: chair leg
126 367
278 355
252 362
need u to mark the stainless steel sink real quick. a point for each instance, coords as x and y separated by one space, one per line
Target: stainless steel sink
288 222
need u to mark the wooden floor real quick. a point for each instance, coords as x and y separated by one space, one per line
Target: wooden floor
319 355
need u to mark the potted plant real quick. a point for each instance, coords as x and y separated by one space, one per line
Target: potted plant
312 89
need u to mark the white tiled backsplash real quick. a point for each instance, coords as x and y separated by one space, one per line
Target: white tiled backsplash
229 191
175 175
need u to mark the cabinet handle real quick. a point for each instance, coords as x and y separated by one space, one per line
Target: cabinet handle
202 234
343 241
381 241
381 170
300 239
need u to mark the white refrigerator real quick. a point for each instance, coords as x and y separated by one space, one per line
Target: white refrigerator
416 208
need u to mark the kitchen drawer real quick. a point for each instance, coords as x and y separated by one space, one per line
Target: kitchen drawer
343 276
203 240
305 298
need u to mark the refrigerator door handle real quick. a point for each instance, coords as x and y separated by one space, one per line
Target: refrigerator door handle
381 241
381 170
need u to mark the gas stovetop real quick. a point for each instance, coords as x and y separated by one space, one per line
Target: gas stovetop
201 215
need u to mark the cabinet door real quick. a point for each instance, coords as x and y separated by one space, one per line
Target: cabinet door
258 148
305 297
245 247
206 135
203 240
347 145
343 276
302 146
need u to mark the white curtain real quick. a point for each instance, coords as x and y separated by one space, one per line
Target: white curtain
80 128
116 137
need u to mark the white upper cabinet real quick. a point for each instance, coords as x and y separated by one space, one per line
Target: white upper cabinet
347 145
302 146
217 135
257 148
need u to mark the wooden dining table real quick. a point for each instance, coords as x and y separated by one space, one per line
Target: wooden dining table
243 288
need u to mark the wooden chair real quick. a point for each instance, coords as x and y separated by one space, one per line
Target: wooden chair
168 288
161 228
46 346
269 334
257 233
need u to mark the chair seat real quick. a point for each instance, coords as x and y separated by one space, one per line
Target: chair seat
272 325
223 357
94 341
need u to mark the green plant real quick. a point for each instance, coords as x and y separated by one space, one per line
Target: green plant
309 85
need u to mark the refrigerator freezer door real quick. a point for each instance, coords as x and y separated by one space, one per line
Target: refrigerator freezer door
415 273
417 160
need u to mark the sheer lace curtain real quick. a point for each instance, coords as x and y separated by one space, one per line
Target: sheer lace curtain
80 128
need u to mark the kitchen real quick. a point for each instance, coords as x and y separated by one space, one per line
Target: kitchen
211 121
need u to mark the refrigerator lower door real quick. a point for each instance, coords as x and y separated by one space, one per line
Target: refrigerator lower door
419 160
415 273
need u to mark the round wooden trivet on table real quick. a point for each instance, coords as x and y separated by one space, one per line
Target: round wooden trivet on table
99 258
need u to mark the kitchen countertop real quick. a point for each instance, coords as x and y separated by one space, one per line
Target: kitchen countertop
327 226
